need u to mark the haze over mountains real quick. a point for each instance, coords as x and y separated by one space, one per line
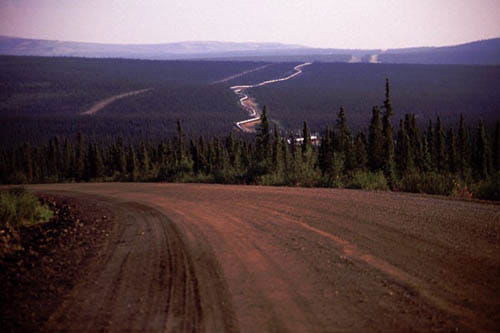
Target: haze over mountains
485 52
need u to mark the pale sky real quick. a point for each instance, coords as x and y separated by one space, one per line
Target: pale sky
317 23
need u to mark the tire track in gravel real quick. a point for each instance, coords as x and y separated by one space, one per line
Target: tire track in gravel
144 279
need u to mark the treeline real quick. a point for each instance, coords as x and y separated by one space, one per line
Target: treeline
461 161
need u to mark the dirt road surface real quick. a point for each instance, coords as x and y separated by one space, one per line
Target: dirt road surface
105 102
267 259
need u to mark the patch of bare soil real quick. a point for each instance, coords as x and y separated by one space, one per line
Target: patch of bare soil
105 102
54 257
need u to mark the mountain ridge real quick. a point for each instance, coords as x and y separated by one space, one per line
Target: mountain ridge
481 52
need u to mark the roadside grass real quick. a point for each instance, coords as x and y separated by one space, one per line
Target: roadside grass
21 208
18 208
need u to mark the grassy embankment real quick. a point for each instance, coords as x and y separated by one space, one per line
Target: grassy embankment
18 208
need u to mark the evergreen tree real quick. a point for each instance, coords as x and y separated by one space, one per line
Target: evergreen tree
119 158
306 143
415 142
375 142
482 157
404 150
426 161
496 147
195 156
263 144
27 162
326 151
68 159
344 133
79 171
54 157
278 162
452 154
132 165
361 155
144 162
439 148
344 141
184 164
463 150
388 159
431 146
96 165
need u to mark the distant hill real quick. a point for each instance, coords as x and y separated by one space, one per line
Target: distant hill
486 52
181 50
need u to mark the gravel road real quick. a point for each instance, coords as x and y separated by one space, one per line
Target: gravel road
215 258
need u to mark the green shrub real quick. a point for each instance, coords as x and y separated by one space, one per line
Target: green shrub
19 207
371 181
430 182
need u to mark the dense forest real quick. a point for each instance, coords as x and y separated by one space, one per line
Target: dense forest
43 97
460 160
426 91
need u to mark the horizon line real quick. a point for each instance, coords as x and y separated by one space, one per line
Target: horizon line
248 42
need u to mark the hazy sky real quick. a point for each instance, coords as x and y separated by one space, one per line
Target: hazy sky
319 23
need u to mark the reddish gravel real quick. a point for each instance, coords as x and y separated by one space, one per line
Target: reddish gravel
221 258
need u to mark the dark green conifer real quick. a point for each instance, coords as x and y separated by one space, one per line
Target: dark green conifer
263 143
463 150
388 159
278 162
306 135
360 152
431 146
80 158
496 147
439 146
451 149
375 142
482 157
132 165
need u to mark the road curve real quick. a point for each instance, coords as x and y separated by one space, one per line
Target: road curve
105 102
249 104
247 258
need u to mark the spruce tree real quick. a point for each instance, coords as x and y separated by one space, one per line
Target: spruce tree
79 171
360 152
119 158
482 157
388 159
132 165
97 165
375 141
344 141
325 154
496 147
439 146
306 143
452 154
431 146
144 161
463 150
426 160
263 143
27 162
278 162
